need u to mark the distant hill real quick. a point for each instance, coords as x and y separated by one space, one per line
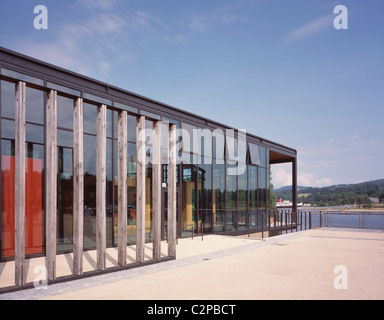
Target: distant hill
341 194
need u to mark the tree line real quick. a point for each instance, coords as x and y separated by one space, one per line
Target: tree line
351 194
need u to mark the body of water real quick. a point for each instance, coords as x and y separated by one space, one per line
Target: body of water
346 219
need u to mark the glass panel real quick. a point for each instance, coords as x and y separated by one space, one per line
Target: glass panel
8 196
90 119
131 130
64 195
64 112
34 109
188 215
89 192
254 154
218 197
205 143
262 185
7 99
231 199
205 195
242 200
252 195
187 137
131 193
263 156
34 133
231 143
109 200
109 123
34 181
8 129
65 138
218 142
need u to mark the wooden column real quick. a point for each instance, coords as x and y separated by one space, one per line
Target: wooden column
140 188
101 178
122 189
51 182
78 187
156 190
172 193
20 184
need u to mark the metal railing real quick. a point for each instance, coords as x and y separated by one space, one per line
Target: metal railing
354 219
270 224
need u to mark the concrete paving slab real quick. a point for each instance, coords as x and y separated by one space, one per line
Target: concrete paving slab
302 265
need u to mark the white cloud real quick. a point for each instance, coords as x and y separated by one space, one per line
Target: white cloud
309 30
282 176
99 4
84 46
223 15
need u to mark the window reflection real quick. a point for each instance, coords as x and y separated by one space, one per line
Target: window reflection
252 195
64 112
34 109
7 99
242 200
218 198
64 197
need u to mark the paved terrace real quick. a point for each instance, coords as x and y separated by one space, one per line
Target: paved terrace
297 265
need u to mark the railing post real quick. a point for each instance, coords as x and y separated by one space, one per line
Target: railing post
262 225
281 222
305 220
286 221
301 220
310 220
274 222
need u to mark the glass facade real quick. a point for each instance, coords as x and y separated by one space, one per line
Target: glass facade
210 198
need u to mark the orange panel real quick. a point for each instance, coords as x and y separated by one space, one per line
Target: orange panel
8 206
33 206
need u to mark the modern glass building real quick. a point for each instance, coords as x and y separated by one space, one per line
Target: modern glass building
76 153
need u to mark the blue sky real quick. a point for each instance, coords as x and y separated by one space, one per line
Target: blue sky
277 68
